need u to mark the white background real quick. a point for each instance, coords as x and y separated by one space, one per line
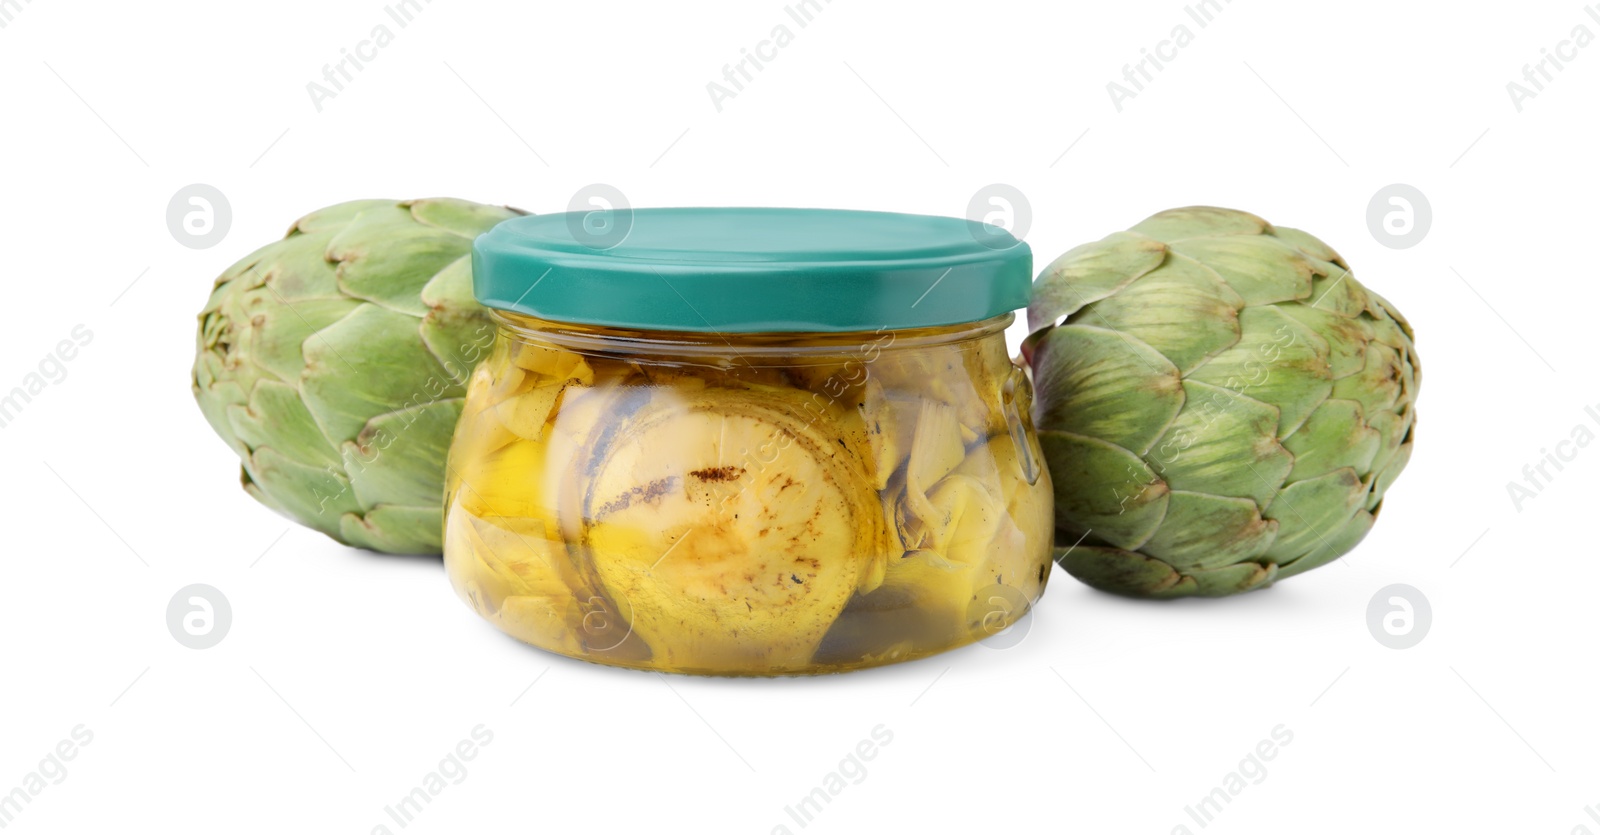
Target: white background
347 676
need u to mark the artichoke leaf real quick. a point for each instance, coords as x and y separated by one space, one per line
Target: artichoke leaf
1337 544
1379 385
1391 429
1260 268
276 417
398 458
1175 225
1183 310
1277 360
1090 273
1336 291
1336 435
1103 384
1224 444
1203 532
386 259
1221 582
313 496
1124 572
297 268
1385 477
278 343
1347 337
463 217
1308 513
1307 243
1115 496
369 363
217 400
393 529
334 218
454 328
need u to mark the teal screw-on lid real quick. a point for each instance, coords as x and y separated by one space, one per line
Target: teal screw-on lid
747 270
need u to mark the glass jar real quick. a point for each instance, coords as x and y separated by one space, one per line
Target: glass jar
750 480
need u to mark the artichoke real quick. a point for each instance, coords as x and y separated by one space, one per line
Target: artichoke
1220 403
335 360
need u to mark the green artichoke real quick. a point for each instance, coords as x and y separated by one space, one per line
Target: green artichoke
334 362
1220 403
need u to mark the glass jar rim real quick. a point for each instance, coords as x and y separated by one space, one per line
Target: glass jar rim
782 347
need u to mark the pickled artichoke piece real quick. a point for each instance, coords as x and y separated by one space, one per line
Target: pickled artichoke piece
511 453
939 583
924 597
891 423
984 525
516 557
966 377
734 523
936 449
973 524
527 414
999 467
502 483
588 418
514 578
531 385
479 434
551 363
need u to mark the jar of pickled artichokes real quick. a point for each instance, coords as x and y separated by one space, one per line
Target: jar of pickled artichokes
748 441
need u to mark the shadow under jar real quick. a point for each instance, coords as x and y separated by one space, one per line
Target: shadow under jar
749 441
